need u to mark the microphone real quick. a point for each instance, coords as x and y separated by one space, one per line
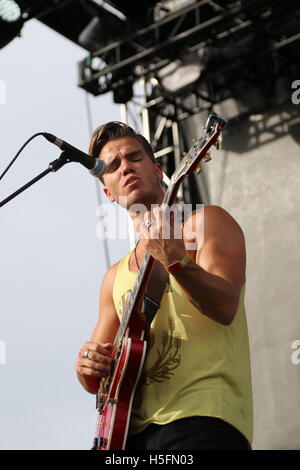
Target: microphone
95 165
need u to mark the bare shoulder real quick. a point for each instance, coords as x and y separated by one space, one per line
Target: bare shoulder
218 221
224 251
216 242
109 278
212 215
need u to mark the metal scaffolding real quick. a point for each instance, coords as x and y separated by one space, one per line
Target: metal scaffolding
247 54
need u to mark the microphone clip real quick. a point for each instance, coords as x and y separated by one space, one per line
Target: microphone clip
59 162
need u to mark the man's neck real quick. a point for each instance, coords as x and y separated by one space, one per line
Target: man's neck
137 217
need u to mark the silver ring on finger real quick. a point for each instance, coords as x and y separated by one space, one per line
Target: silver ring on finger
86 354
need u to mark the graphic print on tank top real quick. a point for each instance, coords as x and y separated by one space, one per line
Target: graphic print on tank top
163 350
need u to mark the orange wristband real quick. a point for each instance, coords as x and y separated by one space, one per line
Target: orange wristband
178 265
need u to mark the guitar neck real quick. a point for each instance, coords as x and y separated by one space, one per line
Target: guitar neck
135 297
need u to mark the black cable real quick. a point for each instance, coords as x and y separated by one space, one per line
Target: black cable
14 159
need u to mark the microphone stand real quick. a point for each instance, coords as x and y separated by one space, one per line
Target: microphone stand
53 166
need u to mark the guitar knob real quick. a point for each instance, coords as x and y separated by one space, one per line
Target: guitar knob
207 157
198 169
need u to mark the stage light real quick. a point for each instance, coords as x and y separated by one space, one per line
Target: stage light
181 73
100 30
176 76
11 21
123 94
164 8
9 11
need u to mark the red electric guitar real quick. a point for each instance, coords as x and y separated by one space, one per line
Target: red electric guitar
116 392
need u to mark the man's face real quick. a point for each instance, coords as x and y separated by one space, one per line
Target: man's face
130 173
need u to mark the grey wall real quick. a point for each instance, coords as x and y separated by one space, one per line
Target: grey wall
256 178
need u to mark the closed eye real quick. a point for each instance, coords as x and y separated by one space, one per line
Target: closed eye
113 165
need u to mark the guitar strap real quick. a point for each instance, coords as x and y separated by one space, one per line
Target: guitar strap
154 291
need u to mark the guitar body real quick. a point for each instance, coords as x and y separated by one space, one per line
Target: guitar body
113 423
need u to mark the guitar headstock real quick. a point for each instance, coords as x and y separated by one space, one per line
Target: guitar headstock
200 148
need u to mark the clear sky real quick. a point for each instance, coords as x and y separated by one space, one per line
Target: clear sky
52 261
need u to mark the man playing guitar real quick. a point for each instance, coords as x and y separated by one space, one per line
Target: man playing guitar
195 388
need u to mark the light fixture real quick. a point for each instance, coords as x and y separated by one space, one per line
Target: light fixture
164 8
10 11
123 94
181 73
11 21
100 30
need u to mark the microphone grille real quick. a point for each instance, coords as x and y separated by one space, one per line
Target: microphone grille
99 168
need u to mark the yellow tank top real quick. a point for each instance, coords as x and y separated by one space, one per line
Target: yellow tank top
194 366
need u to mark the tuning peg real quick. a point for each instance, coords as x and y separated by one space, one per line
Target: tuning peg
217 144
207 157
198 169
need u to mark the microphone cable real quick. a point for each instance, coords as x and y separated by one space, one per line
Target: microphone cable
18 153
